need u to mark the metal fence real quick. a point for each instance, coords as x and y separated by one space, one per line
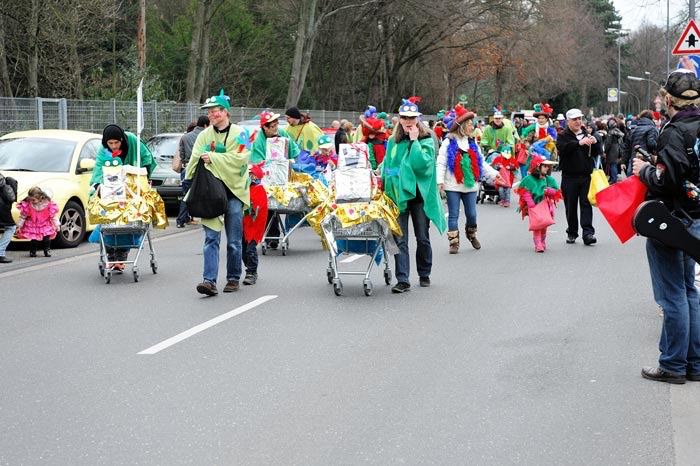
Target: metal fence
18 114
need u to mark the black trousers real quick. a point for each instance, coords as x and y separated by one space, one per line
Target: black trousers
575 191
45 243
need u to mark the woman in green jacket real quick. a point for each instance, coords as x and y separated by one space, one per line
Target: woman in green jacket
409 178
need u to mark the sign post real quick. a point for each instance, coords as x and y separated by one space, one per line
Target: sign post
613 94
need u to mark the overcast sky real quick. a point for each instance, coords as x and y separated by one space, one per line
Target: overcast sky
634 12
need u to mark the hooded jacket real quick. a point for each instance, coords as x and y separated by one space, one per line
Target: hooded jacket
643 134
128 153
8 195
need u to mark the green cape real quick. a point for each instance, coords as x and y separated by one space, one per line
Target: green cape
536 186
404 169
231 166
147 160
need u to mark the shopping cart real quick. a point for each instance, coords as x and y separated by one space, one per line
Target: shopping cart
374 234
275 210
128 236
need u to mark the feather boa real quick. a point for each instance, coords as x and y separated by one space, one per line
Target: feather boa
466 170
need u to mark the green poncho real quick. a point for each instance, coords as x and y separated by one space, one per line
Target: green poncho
147 160
230 166
306 135
492 137
536 186
259 145
408 166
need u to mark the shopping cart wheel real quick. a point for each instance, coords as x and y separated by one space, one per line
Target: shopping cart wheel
108 276
387 276
263 249
284 249
337 287
154 266
367 286
329 274
101 268
136 274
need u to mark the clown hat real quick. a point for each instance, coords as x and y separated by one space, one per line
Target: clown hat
538 160
409 107
325 142
543 109
371 111
462 114
268 117
220 100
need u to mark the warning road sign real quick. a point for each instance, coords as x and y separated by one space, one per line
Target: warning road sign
689 42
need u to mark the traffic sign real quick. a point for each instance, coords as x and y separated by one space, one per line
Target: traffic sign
612 94
689 42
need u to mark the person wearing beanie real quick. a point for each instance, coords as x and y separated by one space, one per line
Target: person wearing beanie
499 131
122 144
117 143
302 130
674 179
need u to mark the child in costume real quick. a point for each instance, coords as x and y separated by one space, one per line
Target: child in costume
325 155
374 135
38 220
254 225
533 189
504 159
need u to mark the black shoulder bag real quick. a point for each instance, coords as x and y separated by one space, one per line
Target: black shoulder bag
207 197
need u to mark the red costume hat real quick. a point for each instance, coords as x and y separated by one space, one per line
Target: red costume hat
461 114
543 109
267 117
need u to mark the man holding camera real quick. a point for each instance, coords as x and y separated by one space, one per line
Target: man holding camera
577 149
673 179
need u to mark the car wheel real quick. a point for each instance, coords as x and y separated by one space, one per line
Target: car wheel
73 227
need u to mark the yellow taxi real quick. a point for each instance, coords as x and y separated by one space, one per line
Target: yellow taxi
60 161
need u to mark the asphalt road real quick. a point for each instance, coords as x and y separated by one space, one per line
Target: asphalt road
510 357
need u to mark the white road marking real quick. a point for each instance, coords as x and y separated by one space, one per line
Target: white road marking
352 258
205 325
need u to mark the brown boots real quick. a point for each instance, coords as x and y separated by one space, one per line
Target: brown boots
453 238
471 236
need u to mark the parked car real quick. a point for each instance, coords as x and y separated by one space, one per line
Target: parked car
60 161
164 179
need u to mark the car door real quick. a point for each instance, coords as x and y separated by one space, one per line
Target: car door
89 151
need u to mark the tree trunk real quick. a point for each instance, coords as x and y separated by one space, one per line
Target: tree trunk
141 35
33 43
195 50
5 85
498 86
306 31
114 57
74 58
584 96
203 72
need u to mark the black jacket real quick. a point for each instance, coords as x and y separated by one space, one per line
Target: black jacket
644 134
8 195
575 159
675 163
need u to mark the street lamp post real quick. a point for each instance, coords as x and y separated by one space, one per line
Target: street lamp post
648 103
639 105
619 34
649 81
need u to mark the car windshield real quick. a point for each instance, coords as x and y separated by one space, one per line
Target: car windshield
163 147
36 154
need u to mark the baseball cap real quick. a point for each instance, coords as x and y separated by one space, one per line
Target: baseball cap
573 113
683 84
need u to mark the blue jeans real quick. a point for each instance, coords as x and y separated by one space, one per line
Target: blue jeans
424 252
673 283
233 224
183 216
6 238
453 200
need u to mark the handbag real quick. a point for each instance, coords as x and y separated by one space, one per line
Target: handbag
207 197
540 216
618 203
598 183
505 174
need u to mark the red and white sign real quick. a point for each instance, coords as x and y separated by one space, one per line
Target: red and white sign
689 43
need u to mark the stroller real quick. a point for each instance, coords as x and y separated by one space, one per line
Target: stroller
487 191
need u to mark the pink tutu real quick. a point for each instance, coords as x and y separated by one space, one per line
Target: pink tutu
37 223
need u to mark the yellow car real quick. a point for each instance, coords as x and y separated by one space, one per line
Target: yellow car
60 161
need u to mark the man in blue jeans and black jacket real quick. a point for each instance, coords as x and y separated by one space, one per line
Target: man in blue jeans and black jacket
674 179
